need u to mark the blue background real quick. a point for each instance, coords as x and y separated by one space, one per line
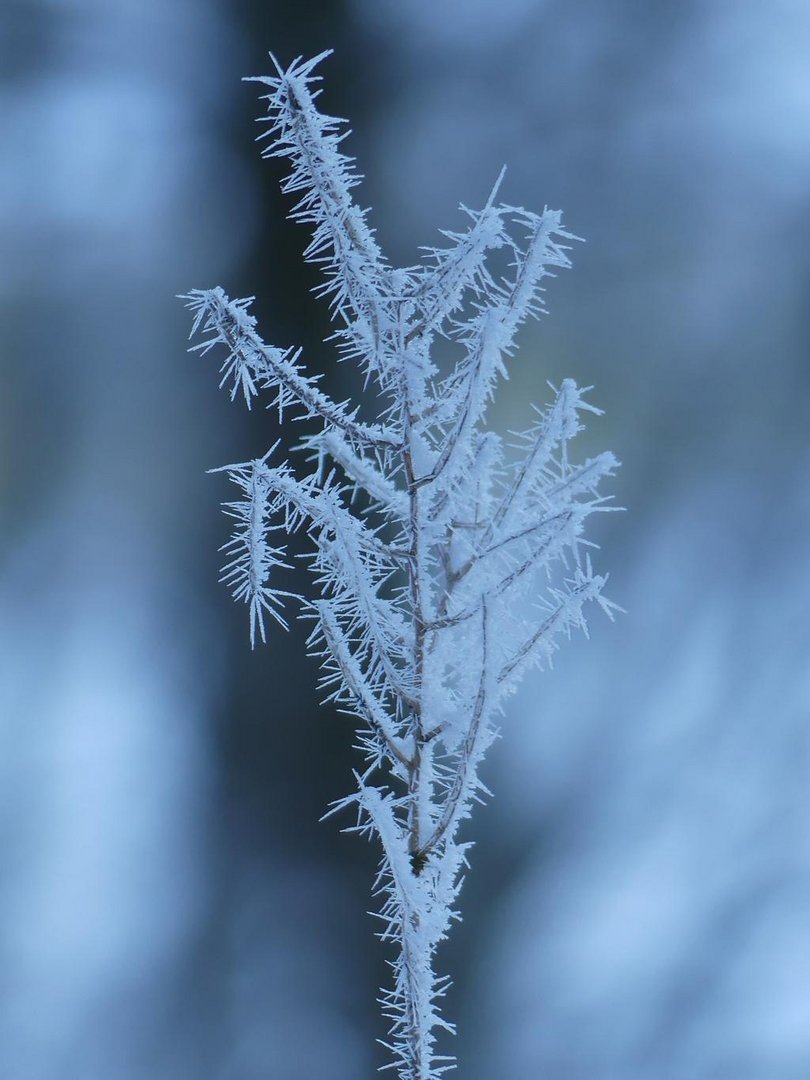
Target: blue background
639 895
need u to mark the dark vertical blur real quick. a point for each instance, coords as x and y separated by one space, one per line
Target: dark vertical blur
169 905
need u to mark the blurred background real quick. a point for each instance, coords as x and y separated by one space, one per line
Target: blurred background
639 898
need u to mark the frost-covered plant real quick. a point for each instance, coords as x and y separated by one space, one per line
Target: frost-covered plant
459 565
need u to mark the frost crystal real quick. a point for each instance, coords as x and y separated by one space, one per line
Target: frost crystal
420 617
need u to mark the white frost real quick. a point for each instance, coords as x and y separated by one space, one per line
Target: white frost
416 620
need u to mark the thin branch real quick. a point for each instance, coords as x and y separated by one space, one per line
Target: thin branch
229 323
355 682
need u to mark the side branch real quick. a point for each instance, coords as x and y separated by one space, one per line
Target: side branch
252 364
371 708
440 291
357 275
565 615
362 472
476 741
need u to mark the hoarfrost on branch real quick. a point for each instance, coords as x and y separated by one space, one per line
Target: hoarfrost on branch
420 613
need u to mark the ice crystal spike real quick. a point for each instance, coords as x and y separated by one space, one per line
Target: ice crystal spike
459 567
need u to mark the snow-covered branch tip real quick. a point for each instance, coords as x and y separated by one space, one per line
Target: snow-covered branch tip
446 562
